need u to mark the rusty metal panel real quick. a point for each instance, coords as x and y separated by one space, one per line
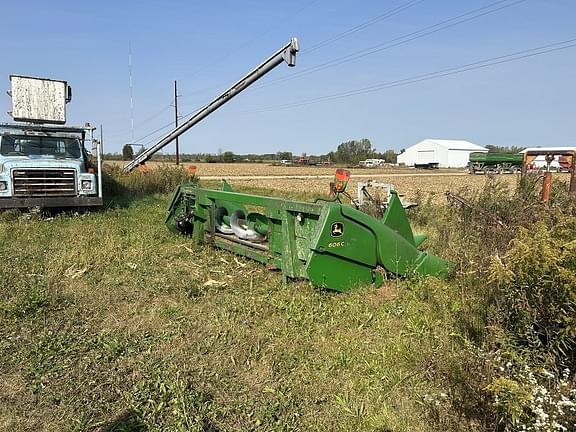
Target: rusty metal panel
38 99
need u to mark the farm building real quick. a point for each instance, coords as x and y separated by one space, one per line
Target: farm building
444 153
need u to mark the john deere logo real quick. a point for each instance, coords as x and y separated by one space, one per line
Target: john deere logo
337 229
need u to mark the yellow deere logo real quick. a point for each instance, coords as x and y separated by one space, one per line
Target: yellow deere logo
337 229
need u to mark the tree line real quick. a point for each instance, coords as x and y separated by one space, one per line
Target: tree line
349 153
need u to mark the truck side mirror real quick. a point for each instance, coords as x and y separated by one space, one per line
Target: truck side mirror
68 94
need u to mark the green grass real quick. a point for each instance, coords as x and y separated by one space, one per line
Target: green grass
110 323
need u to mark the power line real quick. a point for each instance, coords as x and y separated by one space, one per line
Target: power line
388 14
171 124
155 131
167 125
400 40
519 55
481 64
252 40
468 16
451 22
146 120
507 58
153 116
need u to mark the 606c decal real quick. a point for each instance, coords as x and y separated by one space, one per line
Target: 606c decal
336 244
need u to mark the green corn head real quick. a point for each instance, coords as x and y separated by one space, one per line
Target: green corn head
331 244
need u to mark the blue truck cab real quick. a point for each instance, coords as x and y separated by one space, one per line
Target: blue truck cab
43 162
47 166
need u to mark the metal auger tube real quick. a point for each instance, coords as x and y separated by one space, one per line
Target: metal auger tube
285 54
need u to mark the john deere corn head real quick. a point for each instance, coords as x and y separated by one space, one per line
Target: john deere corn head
329 243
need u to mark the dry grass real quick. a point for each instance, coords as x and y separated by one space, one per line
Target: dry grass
414 188
108 322
414 184
260 169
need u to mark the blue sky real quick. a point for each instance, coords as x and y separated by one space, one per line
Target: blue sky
207 46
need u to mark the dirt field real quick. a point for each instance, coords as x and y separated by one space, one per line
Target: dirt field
414 184
266 169
415 187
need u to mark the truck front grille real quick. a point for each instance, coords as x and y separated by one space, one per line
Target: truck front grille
44 182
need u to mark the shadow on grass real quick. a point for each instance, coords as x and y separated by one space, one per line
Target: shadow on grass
125 422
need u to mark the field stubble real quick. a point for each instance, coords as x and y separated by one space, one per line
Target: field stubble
414 184
267 169
414 188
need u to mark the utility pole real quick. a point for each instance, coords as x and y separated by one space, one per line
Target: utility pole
176 120
101 140
131 91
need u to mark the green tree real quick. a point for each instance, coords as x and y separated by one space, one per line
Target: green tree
228 157
284 155
352 152
390 156
127 152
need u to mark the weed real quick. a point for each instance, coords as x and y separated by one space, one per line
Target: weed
162 180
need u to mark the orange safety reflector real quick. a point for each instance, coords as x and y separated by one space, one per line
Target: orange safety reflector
341 179
342 174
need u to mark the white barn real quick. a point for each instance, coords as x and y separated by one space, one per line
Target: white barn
446 153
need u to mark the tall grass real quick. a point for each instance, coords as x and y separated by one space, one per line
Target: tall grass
517 264
160 180
109 322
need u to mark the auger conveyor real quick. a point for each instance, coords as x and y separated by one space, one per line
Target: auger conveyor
286 54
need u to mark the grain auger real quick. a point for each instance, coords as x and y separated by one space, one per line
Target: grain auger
333 245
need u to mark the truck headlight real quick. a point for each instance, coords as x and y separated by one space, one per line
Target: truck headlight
3 186
86 184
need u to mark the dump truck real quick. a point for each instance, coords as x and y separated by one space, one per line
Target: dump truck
333 245
497 163
43 162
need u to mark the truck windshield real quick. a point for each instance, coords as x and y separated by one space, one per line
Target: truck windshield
58 147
